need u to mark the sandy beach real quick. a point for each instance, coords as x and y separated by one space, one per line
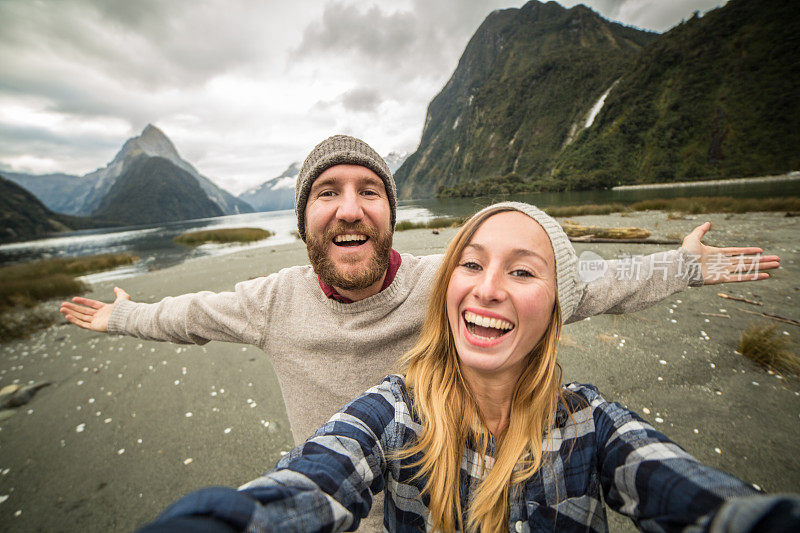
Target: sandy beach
128 425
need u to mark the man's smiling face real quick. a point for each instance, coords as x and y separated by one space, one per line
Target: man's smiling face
348 230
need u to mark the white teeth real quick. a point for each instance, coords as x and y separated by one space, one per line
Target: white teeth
345 238
486 322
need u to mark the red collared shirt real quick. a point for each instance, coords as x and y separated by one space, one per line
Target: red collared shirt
394 264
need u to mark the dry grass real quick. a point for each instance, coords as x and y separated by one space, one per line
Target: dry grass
23 286
26 284
440 222
589 209
21 322
28 292
764 346
73 266
573 229
719 204
225 235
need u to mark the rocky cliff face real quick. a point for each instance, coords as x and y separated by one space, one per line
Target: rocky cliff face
526 76
714 97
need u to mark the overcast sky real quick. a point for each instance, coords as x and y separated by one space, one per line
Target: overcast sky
242 87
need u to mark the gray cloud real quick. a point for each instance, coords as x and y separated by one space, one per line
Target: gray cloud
421 42
361 99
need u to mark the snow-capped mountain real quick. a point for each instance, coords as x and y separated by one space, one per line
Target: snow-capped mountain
395 159
276 193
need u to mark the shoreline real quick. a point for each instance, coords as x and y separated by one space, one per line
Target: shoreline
132 397
789 176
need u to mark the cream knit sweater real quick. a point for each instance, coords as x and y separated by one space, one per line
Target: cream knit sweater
326 353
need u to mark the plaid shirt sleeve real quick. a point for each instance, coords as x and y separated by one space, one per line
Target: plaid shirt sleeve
651 479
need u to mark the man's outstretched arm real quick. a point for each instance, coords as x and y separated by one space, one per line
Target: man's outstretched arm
637 282
196 318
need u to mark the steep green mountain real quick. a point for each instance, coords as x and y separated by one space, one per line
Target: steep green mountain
23 216
716 96
83 195
525 79
153 189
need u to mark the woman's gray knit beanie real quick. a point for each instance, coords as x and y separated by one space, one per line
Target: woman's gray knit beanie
339 150
568 285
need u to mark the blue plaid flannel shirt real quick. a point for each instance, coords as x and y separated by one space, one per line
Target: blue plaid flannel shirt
603 453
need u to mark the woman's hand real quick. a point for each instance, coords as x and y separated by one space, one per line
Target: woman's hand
91 314
725 265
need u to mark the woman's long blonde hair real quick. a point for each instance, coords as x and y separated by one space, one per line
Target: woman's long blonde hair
450 416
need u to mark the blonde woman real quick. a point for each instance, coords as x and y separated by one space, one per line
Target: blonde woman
479 434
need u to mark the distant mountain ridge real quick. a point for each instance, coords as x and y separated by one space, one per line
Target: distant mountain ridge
25 217
525 78
56 191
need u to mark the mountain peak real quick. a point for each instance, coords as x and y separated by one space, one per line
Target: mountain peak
154 142
151 131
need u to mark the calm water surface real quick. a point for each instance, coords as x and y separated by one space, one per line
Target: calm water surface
154 245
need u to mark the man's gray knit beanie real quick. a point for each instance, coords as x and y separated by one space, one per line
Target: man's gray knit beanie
568 285
339 150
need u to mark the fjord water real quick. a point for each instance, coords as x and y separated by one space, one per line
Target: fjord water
154 245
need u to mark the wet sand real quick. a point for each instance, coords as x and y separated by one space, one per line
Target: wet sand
128 426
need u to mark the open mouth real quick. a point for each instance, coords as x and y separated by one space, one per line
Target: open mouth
350 240
486 328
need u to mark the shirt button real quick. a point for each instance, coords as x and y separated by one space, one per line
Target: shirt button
518 526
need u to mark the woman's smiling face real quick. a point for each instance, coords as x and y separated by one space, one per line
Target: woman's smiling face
501 294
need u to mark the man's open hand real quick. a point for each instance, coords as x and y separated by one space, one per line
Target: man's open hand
91 314
724 265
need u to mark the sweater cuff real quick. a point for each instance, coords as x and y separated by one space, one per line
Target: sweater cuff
690 267
119 316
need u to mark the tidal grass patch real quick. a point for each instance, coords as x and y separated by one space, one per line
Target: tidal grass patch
72 266
25 285
589 209
718 204
21 322
435 223
763 345
222 236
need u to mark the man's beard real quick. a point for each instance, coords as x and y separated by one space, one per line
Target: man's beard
328 272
